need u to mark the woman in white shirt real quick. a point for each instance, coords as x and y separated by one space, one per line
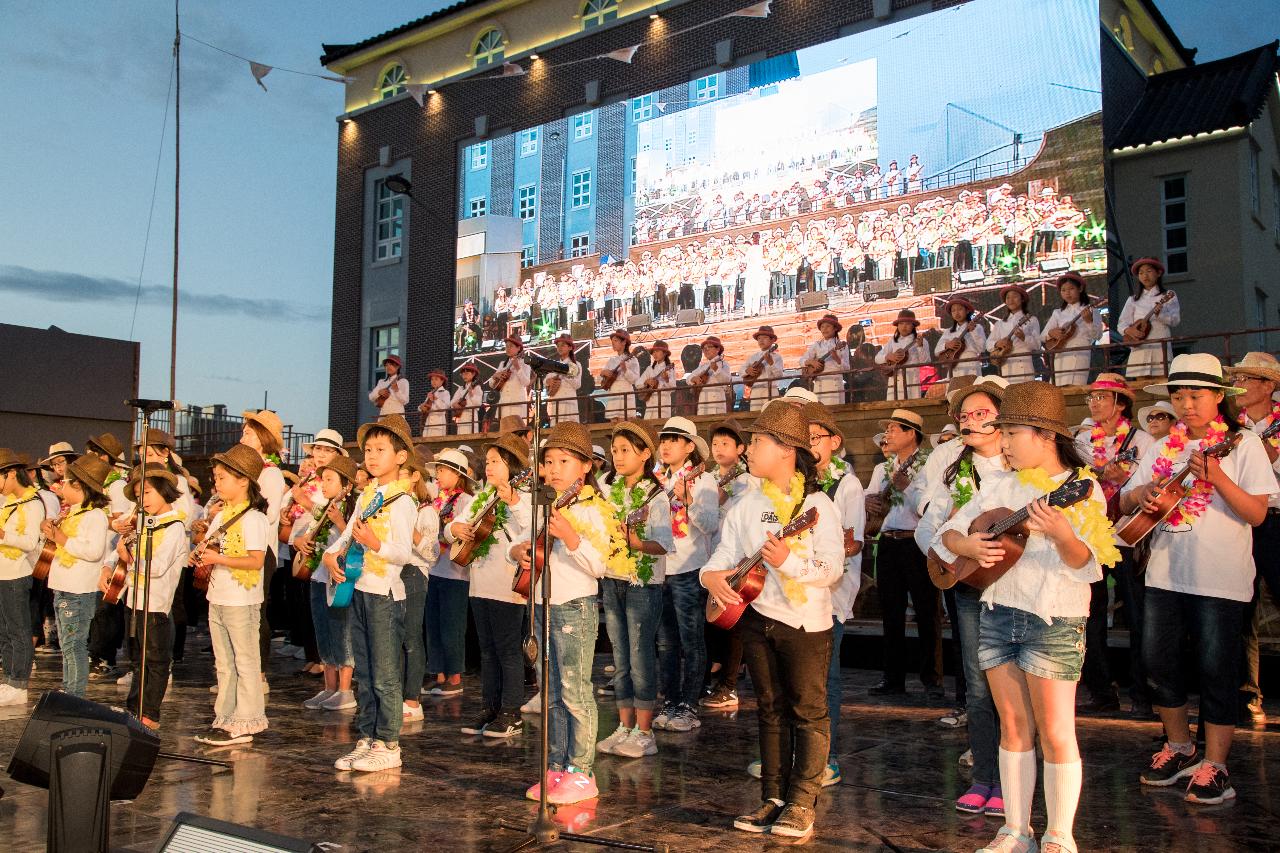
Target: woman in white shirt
904 378
1021 330
834 355
391 394
622 366
1200 573
962 312
469 396
513 396
1077 316
659 381
1161 304
765 388
562 403
712 379
1031 643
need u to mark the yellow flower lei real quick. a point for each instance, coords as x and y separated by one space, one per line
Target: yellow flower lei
20 526
233 546
380 524
156 539
71 526
785 507
608 539
1089 522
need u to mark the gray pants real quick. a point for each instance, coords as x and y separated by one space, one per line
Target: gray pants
15 631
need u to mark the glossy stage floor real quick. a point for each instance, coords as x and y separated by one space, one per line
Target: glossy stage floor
900 778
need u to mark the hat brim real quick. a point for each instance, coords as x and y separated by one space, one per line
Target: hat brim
1035 422
1162 388
698 441
432 466
782 439
900 422
86 478
1126 392
1266 373
221 459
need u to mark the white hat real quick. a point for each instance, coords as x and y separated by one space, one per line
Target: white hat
327 438
453 459
1195 370
1086 424
598 452
935 439
798 393
684 428
1159 406
877 439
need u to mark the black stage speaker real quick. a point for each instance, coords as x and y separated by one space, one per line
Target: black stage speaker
79 806
132 751
884 288
933 281
193 833
691 317
583 330
810 301
636 321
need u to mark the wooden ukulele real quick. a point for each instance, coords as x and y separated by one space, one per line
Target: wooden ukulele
1141 328
211 544
699 380
525 578
1055 340
1137 525
608 377
814 366
385 394
48 549
951 352
876 516
1009 528
460 405
463 552
303 569
651 384
753 371
894 360
1004 347
500 378
749 576
119 577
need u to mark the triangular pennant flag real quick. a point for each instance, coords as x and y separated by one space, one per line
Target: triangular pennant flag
258 70
417 90
623 55
755 10
662 107
510 69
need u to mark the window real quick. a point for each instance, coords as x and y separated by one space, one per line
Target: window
1173 195
383 341
478 206
1275 206
692 137
633 176
392 81
388 230
706 88
528 256
1255 180
581 189
642 107
488 48
1260 318
579 245
528 202
582 126
479 156
597 12
528 142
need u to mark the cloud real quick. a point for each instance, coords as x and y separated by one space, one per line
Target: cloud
56 285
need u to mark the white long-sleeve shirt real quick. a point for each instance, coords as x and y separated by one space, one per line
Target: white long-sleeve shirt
167 563
1161 324
904 514
688 552
767 384
1084 333
491 575
574 574
657 525
940 499
515 391
1029 343
398 397
459 511
424 553
396 548
628 372
87 546
917 347
850 502
975 343
17 555
837 363
274 488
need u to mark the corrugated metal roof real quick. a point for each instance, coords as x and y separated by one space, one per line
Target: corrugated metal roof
334 52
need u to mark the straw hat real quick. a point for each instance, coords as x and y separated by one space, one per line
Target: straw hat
326 438
799 395
1260 365
9 459
820 415
89 469
571 436
936 438
957 383
394 424
832 319
344 466
242 459
641 431
108 444
514 424
1114 383
289 476
993 386
1195 370
270 422
733 428
1147 262
684 428
453 459
906 418
785 424
877 439
1158 407
62 448
515 445
1035 404
156 438
153 471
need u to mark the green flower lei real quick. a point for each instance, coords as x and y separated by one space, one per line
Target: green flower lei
644 562
827 478
274 459
501 513
895 496
962 489
112 477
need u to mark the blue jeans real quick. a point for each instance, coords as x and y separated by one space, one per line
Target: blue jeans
631 616
1213 624
15 632
333 629
377 629
415 650
74 611
682 634
984 726
574 626
447 625
835 687
240 706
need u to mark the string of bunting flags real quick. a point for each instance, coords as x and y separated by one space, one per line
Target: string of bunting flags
259 70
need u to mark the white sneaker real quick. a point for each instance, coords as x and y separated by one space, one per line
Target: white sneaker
663 716
533 706
684 719
313 704
411 712
966 759
753 769
608 744
286 650
343 700
362 749
379 757
213 688
125 680
637 745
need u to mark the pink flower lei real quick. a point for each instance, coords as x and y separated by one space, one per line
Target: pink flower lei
1194 503
1098 439
1274 441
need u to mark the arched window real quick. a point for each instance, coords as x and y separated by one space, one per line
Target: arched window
488 48
392 81
597 12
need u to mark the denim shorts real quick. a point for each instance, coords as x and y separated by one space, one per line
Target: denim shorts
1009 635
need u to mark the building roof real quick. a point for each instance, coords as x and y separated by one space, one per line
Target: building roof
1218 95
334 52
1188 54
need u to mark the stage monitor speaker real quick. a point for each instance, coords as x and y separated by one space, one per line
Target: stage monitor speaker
639 322
811 301
133 748
933 281
193 833
884 288
79 807
691 317
583 330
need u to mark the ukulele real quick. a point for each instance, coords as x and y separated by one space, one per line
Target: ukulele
211 544
895 359
352 559
119 573
814 366
951 352
1124 454
48 549
482 523
1137 525
525 578
305 568
1055 340
1009 528
1137 333
385 393
608 377
500 378
460 406
749 576
753 371
651 384
1004 347
876 517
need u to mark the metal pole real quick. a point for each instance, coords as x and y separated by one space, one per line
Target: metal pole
177 174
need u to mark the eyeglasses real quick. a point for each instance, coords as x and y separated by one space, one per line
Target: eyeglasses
814 439
975 415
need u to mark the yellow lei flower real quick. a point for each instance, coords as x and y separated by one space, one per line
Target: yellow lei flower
1089 522
233 545
380 524
785 508
71 526
20 526
608 539
156 539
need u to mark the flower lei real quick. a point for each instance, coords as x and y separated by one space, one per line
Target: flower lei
1274 441
622 501
895 496
501 512
112 477
444 503
833 472
962 488
233 545
70 526
1098 443
1193 504
680 512
609 543
784 508
271 460
736 472
1089 522
20 526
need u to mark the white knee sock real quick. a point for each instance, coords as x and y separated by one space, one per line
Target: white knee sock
1061 796
1018 785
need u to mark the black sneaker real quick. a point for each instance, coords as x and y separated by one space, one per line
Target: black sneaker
1168 766
103 671
506 724
884 688
760 820
794 822
721 697
218 737
1209 786
1107 702
477 728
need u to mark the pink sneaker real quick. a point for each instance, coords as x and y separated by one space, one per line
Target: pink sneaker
575 786
974 800
995 803
553 779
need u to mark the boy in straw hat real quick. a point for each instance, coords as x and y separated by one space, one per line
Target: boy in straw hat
770 366
1200 575
786 631
834 355
377 607
21 512
1258 373
906 348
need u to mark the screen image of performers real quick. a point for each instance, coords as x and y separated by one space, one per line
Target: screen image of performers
1147 319
1013 339
658 382
762 370
620 377
827 359
1073 324
786 630
965 342
904 349
467 399
391 394
711 378
435 408
512 381
562 391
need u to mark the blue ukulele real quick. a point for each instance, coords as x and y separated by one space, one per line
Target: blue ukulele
339 594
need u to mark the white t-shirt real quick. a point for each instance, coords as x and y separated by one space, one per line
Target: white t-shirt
224 589
491 575
851 503
171 552
86 548
1214 556
689 552
903 514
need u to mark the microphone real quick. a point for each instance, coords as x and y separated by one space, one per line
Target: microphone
542 364
985 431
149 404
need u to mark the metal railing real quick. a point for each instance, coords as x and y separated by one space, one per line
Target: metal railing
203 431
